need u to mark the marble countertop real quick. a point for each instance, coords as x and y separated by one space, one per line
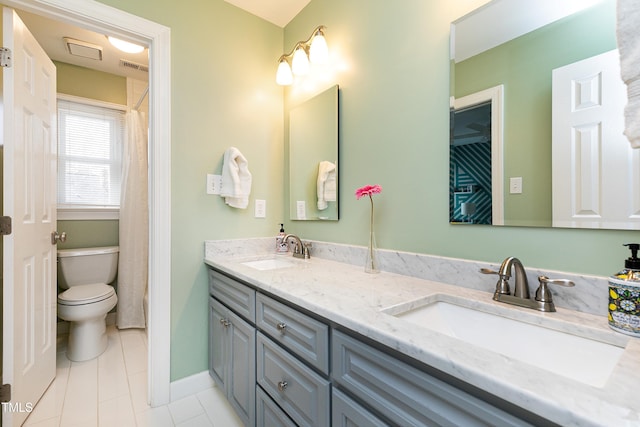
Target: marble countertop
348 296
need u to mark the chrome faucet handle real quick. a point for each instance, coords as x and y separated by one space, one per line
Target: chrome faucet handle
306 250
543 294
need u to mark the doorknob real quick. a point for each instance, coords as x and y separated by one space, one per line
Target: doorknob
55 237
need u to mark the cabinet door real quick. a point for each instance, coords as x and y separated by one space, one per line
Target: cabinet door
218 342
232 359
242 368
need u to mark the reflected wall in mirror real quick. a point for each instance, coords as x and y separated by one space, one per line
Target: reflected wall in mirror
475 147
523 62
313 158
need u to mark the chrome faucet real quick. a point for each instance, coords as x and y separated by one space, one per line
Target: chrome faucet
542 300
300 250
521 282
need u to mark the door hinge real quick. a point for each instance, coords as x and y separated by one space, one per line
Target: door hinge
5 57
5 225
5 393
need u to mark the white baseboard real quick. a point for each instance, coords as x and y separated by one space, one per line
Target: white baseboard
191 385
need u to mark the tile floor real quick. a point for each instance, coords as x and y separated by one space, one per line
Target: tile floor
112 391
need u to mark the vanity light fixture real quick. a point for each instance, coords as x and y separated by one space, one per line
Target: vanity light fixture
313 50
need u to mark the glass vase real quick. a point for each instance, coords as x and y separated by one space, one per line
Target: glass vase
371 264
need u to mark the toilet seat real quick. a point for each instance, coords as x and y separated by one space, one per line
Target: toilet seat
86 294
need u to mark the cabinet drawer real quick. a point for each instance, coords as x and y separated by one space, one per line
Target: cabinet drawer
239 297
303 335
347 413
406 395
268 414
301 393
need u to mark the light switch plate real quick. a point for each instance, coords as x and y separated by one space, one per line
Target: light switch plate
301 209
214 184
515 185
261 208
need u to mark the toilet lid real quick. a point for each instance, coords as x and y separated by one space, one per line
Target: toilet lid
85 294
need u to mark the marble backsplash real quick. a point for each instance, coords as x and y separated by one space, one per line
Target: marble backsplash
590 295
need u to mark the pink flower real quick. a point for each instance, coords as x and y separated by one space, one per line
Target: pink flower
368 190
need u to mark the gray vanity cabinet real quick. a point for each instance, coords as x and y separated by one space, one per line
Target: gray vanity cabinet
404 394
232 343
280 366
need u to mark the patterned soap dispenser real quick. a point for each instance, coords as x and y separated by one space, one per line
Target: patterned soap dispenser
624 295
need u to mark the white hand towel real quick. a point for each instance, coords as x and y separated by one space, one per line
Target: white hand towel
326 184
629 46
236 179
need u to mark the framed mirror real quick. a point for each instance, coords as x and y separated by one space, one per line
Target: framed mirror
313 158
517 44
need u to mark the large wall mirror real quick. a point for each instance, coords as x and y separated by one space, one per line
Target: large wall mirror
512 45
313 158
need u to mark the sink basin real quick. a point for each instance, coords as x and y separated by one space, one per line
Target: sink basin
580 358
269 264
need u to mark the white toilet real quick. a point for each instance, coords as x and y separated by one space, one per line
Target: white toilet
86 274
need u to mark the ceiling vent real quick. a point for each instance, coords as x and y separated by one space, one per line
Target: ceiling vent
83 49
134 66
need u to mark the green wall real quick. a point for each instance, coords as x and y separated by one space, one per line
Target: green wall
223 94
524 66
92 84
391 60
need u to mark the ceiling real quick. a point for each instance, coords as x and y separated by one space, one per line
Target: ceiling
279 12
51 34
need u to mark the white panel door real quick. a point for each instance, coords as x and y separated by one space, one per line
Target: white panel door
596 178
29 135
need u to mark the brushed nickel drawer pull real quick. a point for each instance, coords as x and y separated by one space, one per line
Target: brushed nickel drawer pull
224 322
282 385
281 327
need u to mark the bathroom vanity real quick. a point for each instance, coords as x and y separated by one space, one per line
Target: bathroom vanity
319 342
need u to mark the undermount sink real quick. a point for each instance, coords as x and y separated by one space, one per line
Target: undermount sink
580 358
269 264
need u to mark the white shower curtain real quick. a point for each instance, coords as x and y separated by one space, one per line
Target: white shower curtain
134 226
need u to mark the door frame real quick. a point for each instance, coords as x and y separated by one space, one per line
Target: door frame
494 95
105 19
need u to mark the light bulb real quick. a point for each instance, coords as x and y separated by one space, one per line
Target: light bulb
318 52
300 62
284 76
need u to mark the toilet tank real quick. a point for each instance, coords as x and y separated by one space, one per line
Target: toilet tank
85 266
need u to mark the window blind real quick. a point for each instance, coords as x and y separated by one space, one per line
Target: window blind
90 140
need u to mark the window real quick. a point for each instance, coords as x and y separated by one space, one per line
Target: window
90 140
